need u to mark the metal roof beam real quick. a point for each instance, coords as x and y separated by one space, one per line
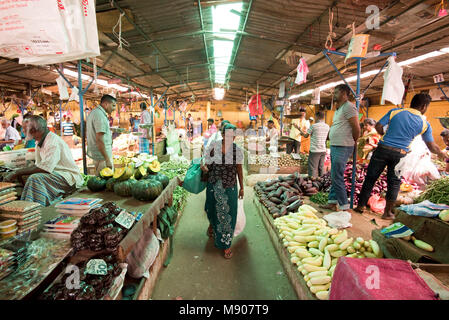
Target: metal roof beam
205 44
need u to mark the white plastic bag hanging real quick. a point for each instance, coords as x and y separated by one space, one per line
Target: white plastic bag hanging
316 95
393 86
302 70
31 28
62 87
74 96
241 219
80 26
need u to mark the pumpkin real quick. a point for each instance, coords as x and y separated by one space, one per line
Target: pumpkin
106 173
140 172
122 174
155 166
124 188
96 184
162 178
147 190
110 184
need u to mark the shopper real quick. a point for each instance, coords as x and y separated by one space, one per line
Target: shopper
297 126
99 136
343 135
189 126
67 132
27 138
54 173
272 135
222 171
445 135
145 118
12 136
211 129
136 123
369 140
403 126
51 122
318 133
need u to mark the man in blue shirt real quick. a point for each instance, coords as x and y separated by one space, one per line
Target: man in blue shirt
403 126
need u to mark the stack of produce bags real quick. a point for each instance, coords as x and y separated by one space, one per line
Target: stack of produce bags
8 192
77 207
12 256
6 262
61 227
26 213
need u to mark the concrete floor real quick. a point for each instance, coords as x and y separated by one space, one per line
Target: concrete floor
198 271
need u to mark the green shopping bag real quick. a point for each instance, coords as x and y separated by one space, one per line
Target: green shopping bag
192 180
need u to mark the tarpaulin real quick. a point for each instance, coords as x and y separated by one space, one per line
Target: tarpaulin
377 279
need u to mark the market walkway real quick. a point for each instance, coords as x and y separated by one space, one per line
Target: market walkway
198 271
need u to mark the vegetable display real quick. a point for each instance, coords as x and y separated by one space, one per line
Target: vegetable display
320 198
96 184
147 190
379 187
436 192
315 247
283 195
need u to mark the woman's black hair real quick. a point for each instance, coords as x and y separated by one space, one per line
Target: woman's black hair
143 106
370 121
445 133
210 120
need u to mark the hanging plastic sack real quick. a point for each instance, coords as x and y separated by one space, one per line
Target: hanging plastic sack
143 255
192 180
62 87
377 204
301 72
394 88
80 26
316 95
37 29
74 96
358 47
255 105
241 219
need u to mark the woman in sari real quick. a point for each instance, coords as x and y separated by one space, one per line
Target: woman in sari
369 140
223 164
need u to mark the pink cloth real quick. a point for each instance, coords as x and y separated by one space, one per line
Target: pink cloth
255 105
302 71
377 279
210 131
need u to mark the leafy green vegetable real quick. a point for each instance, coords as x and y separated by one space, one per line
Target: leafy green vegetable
320 198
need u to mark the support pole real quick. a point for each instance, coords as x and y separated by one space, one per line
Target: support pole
357 104
83 137
60 116
152 121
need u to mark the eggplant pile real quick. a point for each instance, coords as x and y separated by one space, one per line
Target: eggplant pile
379 187
283 195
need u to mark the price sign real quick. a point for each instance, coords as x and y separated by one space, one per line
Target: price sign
125 219
97 267
438 78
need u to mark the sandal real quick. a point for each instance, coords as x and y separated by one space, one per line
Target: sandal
228 254
210 232
360 210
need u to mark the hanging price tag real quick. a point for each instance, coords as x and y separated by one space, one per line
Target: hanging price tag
97 267
125 219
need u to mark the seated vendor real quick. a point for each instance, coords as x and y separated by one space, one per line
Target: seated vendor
445 135
54 174
12 136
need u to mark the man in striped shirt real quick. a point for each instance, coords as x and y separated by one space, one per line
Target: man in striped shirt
67 132
318 135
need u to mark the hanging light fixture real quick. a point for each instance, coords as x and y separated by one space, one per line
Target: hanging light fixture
219 93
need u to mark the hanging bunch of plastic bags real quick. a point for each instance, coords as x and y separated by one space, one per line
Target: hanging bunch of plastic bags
49 31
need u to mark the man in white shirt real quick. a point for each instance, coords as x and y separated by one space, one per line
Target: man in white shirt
145 118
12 136
298 125
272 134
54 174
318 133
